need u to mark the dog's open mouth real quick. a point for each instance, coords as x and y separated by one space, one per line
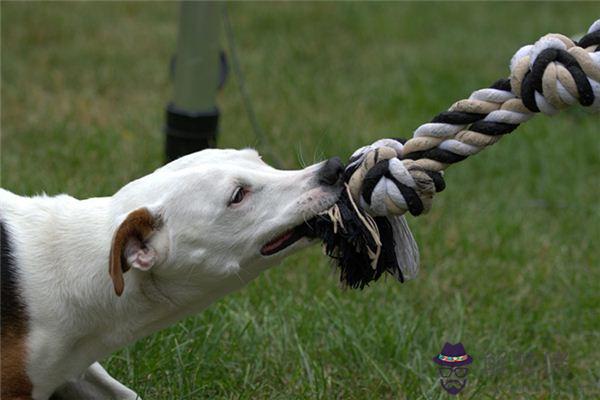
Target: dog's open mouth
310 229
286 239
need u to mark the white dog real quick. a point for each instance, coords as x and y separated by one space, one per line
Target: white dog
83 278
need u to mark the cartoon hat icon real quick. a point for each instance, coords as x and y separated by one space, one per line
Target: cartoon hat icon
453 355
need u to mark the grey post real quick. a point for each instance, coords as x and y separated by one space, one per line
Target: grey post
193 116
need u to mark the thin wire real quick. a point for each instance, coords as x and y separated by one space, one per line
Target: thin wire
259 133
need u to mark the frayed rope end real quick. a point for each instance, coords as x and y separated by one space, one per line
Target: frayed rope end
363 247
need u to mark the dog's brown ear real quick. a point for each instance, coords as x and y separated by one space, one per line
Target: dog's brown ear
130 248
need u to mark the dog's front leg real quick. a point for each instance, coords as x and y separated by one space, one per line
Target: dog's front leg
95 384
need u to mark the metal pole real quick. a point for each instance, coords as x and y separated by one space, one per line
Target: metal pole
192 116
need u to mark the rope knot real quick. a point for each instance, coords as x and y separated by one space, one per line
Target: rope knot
557 72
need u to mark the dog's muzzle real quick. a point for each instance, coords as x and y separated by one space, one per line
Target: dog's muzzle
329 175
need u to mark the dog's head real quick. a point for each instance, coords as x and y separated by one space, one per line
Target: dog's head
217 213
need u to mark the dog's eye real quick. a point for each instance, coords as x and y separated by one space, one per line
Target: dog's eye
238 195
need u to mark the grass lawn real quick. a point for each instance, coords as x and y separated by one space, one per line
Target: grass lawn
510 253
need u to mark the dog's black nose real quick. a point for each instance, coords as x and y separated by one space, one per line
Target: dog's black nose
331 171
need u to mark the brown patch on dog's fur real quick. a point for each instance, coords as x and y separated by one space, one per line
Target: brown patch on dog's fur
15 382
139 224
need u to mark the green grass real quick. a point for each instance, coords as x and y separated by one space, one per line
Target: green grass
510 251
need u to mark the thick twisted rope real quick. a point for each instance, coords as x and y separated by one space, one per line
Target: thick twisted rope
392 176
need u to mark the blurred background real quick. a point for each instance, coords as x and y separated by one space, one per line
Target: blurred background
509 252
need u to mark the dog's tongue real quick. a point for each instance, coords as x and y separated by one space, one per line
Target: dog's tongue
276 243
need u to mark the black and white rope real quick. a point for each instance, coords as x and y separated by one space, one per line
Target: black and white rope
391 176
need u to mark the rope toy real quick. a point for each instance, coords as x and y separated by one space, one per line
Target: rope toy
365 231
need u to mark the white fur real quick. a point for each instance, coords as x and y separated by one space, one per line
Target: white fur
204 250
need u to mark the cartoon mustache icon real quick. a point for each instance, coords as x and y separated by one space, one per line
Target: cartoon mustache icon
453 386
